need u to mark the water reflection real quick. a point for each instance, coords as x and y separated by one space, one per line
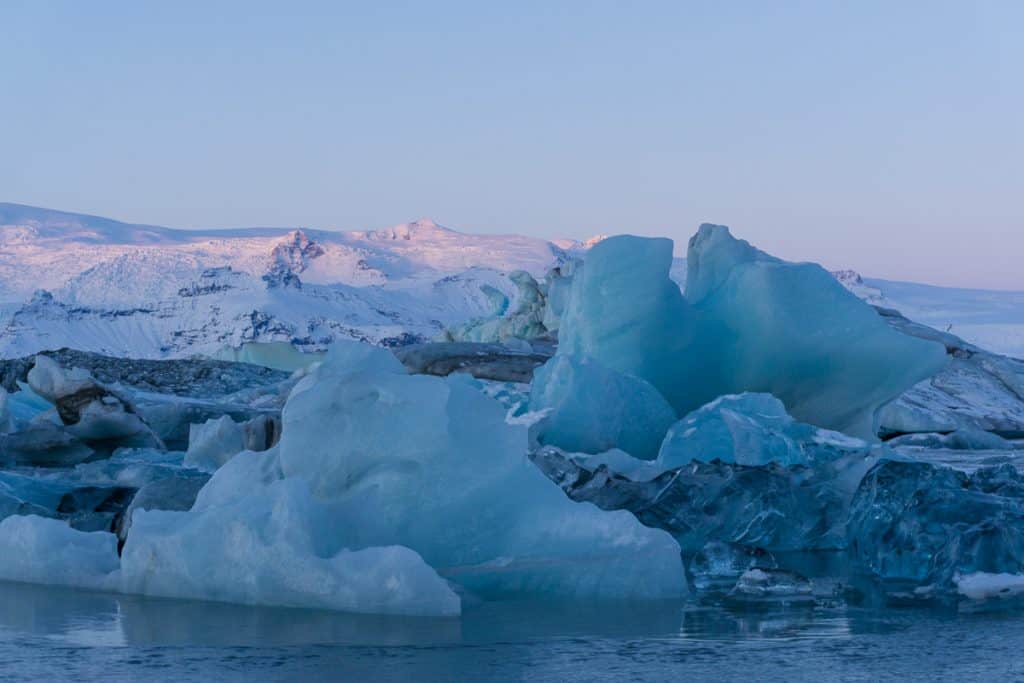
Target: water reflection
100 619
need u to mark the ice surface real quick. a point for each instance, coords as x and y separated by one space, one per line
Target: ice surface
767 508
750 429
39 550
6 420
49 380
791 330
591 408
912 527
558 282
523 321
377 469
399 442
42 444
985 586
749 323
625 313
965 438
214 442
916 522
25 405
267 553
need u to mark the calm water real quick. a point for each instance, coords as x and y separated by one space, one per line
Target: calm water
59 634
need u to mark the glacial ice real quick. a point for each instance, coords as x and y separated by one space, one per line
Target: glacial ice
986 586
216 441
408 494
965 439
6 420
269 550
743 326
40 550
626 314
591 408
750 429
375 470
913 521
791 330
87 410
51 381
525 321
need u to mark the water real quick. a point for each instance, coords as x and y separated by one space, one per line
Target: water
49 633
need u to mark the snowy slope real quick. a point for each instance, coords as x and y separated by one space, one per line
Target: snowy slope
150 291
96 284
991 319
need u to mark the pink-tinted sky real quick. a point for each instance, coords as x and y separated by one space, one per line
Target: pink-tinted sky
883 136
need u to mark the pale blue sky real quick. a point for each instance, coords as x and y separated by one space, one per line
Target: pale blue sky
883 136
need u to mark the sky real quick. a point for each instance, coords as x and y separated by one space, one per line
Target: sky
882 136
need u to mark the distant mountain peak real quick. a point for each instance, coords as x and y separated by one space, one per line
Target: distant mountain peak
422 227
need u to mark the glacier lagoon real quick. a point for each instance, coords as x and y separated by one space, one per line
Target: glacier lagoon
52 633
717 449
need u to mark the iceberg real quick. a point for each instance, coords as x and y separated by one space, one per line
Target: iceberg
748 322
915 522
39 550
625 313
268 553
86 409
591 409
963 439
791 330
214 442
750 429
384 489
525 321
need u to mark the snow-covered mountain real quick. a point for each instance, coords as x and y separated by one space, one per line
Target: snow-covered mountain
991 319
97 284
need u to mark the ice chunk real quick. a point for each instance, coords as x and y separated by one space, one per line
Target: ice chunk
558 282
913 521
6 421
39 550
267 554
591 409
768 508
525 321
791 330
963 439
42 444
625 313
398 443
985 586
750 429
88 410
214 442
749 322
48 379
383 483
106 419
